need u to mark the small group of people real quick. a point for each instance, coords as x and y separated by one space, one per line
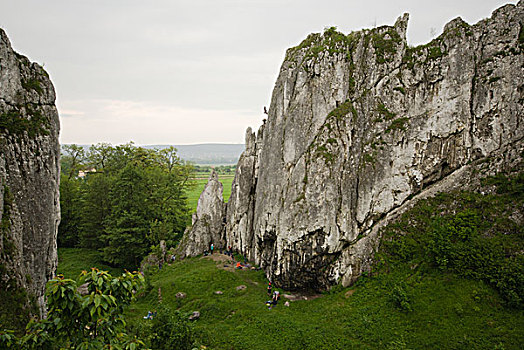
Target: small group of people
210 251
275 297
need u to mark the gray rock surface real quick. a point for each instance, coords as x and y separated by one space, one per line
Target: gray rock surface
360 127
29 173
208 221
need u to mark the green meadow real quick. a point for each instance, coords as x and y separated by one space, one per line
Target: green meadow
199 182
449 274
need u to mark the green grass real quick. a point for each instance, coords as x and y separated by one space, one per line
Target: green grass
71 262
447 312
200 182
412 299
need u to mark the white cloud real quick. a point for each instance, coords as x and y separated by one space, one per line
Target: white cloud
119 121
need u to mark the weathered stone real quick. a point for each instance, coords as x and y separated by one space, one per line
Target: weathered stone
194 316
29 174
362 126
208 221
180 295
242 287
219 292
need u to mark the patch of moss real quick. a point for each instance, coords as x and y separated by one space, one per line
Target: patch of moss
32 84
383 111
462 27
369 158
494 79
400 89
433 50
397 124
5 224
331 41
322 151
342 110
434 53
16 124
385 44
301 197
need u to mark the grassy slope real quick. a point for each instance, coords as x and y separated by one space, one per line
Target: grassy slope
410 301
448 312
194 193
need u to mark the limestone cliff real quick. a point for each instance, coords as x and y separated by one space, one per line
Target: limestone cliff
208 220
29 175
359 127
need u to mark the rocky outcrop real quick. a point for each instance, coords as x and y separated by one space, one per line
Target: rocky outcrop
359 127
29 175
208 221
241 205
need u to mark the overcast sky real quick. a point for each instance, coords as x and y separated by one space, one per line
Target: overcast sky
183 72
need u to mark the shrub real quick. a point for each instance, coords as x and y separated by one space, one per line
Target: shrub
170 330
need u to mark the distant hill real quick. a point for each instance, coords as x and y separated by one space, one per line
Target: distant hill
205 153
208 153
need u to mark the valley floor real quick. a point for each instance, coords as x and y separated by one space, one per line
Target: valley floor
447 312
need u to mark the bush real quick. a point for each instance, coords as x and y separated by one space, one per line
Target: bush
170 330
400 297
466 233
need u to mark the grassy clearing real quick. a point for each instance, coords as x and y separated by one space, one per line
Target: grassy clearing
446 311
71 262
200 182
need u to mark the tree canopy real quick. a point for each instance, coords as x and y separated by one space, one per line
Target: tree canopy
122 200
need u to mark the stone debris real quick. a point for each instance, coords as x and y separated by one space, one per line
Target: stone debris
194 316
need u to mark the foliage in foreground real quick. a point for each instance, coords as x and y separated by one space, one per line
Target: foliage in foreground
75 321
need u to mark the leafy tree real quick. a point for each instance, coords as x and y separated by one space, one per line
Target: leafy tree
95 211
128 224
134 199
77 321
71 211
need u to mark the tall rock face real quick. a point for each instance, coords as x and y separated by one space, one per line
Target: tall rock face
241 205
29 175
359 127
208 221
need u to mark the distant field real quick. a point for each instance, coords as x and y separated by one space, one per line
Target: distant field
200 182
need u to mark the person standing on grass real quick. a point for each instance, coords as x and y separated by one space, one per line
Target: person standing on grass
269 289
212 247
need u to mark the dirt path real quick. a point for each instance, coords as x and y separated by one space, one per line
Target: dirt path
224 262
